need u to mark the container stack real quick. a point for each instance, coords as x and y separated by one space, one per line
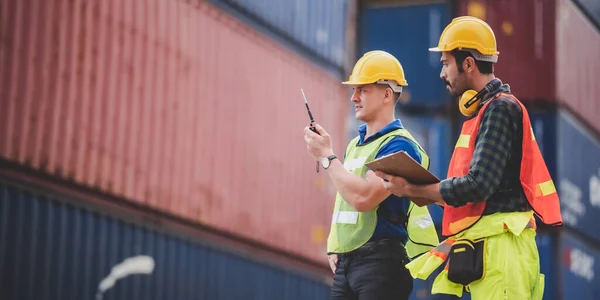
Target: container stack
166 126
547 51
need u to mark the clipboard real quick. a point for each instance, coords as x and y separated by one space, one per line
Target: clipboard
402 165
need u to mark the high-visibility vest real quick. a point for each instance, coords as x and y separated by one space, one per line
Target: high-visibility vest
534 176
351 229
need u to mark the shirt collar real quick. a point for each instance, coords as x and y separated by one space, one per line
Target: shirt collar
362 131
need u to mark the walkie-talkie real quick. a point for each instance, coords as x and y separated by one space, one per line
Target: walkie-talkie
312 121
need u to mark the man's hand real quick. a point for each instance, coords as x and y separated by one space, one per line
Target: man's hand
318 146
333 259
395 185
402 188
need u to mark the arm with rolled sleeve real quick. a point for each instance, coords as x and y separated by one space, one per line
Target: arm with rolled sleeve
492 151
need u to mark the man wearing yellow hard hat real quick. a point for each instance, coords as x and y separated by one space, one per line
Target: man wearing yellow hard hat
497 180
373 233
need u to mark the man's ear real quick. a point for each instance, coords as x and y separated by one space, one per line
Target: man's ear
389 94
469 64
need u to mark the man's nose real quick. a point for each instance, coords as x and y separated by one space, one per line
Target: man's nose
355 97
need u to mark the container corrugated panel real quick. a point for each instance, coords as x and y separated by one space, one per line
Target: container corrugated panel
407 32
578 175
54 250
525 33
318 26
576 64
433 133
579 269
591 8
547 244
175 106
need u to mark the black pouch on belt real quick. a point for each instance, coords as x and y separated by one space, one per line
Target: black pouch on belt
466 262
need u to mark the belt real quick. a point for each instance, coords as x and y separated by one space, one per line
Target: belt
373 245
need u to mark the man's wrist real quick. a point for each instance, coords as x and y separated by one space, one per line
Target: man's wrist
327 154
327 160
411 190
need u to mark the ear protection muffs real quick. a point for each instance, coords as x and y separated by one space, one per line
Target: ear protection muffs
468 103
470 100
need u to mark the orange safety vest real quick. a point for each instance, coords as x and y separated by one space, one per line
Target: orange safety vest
535 178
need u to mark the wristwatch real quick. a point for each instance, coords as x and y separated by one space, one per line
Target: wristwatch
326 161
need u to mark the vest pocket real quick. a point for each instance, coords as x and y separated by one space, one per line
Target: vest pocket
466 261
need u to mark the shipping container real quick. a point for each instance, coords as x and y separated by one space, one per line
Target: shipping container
577 46
579 270
172 105
316 28
591 8
525 34
53 249
578 169
547 244
407 31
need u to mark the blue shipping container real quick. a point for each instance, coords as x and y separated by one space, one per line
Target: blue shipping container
579 269
407 32
50 249
578 175
318 28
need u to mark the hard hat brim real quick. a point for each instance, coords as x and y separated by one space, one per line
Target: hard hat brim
356 83
435 49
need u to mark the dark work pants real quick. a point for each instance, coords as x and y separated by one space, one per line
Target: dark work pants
374 271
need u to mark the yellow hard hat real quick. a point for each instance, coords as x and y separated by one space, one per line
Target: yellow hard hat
469 33
378 67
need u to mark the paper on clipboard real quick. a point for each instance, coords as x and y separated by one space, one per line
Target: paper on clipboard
402 165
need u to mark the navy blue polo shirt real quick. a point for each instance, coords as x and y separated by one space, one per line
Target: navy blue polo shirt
394 204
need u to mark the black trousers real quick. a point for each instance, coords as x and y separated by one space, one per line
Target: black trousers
374 271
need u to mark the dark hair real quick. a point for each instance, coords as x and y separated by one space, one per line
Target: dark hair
485 67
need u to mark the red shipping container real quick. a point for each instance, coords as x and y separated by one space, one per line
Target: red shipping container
577 50
173 105
525 33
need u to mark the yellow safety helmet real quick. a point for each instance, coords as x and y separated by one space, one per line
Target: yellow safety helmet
378 67
469 34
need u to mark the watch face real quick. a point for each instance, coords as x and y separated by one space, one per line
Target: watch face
325 162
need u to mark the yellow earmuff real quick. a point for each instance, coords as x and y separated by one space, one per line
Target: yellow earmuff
470 99
468 103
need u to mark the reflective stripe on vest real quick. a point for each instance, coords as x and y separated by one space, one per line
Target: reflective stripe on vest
534 176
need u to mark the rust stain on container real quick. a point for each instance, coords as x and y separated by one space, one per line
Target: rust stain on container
172 105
